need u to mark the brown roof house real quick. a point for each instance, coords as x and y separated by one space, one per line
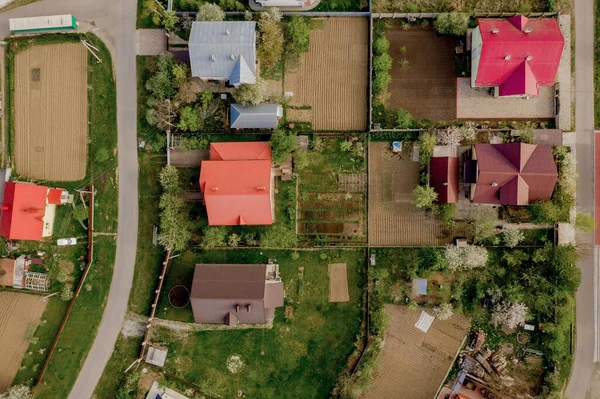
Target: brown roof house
443 176
236 294
513 173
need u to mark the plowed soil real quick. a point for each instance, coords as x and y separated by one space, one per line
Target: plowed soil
414 364
19 317
426 87
332 77
51 112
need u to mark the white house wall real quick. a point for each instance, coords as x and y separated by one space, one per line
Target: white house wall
476 44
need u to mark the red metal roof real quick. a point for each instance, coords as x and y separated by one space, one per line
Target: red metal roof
54 195
514 173
444 178
519 38
237 184
23 211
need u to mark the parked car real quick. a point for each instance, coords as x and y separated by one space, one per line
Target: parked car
66 241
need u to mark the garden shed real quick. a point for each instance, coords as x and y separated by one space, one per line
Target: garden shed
262 116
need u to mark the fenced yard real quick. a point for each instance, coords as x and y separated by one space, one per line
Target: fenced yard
393 220
423 77
468 6
51 112
332 195
414 364
19 317
304 352
332 77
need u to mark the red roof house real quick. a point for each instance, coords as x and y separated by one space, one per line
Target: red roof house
237 184
514 173
23 210
517 54
444 178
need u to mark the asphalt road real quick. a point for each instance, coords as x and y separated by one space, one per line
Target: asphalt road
114 22
585 349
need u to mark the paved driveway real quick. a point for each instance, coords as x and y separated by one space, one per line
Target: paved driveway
114 22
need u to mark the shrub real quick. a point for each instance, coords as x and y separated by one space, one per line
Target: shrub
190 5
278 236
194 142
161 84
426 143
298 35
382 63
423 196
214 236
251 93
512 237
233 240
169 179
346 146
231 5
210 12
205 99
444 312
465 258
170 20
66 293
404 120
17 392
174 226
80 213
454 23
381 81
381 45
585 222
271 37
181 72
282 145
189 120
102 155
446 212
380 321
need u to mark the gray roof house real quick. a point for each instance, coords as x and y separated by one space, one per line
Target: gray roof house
223 50
262 116
236 294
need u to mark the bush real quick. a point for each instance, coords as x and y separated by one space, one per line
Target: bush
454 23
80 213
282 145
381 45
279 236
426 143
189 120
512 237
251 93
423 197
161 84
482 224
17 392
444 312
381 81
382 63
271 37
170 20
298 35
210 12
194 142
66 293
446 212
190 5
465 258
181 73
380 321
214 236
169 179
585 222
231 5
233 240
102 155
404 120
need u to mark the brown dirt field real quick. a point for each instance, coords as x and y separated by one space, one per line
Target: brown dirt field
427 86
338 283
332 76
19 317
414 364
51 112
393 220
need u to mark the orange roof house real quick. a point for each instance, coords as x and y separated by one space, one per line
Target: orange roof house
24 210
237 184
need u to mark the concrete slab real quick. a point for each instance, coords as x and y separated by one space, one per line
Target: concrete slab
151 41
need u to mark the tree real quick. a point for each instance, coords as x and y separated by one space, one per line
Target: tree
161 113
153 9
162 84
450 136
444 312
210 12
271 37
174 226
512 237
512 315
17 392
381 45
214 236
206 98
181 73
584 222
380 321
66 293
282 144
404 119
251 93
298 35
169 179
169 20
454 23
482 224
301 159
233 240
278 236
423 196
426 143
465 258
189 120
80 213
231 5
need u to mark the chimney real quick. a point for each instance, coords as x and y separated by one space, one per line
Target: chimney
494 184
237 308
215 188
232 57
261 188
249 307
507 57
495 30
528 58
527 30
227 32
213 58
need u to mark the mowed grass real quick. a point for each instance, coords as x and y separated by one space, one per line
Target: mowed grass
80 329
301 356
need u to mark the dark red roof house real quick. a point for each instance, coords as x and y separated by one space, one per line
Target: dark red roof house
444 178
517 54
513 173
236 294
238 184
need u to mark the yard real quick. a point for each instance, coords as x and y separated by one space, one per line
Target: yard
101 169
423 76
50 106
333 192
393 219
468 6
307 347
330 86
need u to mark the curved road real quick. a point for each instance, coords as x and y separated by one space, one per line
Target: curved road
114 22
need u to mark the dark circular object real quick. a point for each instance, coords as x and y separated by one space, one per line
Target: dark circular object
179 296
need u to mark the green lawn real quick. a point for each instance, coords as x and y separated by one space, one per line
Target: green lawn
79 332
299 357
144 22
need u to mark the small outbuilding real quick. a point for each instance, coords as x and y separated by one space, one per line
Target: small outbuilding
444 178
262 116
419 286
236 294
